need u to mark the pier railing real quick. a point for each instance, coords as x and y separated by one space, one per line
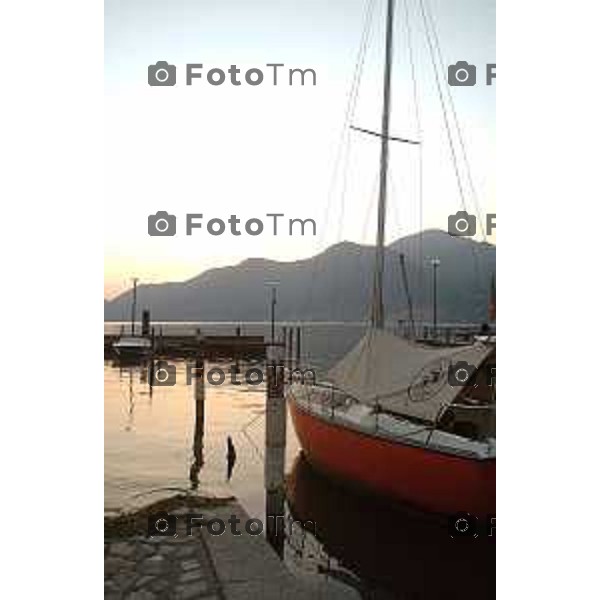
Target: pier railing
453 334
328 398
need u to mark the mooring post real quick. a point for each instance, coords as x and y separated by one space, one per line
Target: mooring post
286 354
298 346
275 438
197 374
290 346
145 322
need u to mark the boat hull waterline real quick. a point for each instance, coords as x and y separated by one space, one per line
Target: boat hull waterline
427 479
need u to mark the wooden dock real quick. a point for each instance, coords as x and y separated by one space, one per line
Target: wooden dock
191 346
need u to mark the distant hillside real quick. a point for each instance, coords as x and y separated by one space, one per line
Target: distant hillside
334 285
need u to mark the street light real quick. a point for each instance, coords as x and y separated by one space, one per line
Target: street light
435 263
273 285
134 305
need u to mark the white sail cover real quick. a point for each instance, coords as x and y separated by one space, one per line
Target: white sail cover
401 376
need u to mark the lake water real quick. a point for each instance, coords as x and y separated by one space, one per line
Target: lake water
152 449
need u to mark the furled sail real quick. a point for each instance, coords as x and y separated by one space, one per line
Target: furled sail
402 377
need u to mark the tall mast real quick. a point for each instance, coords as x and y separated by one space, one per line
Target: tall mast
377 315
133 305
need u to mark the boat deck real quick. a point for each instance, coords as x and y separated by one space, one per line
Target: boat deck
361 417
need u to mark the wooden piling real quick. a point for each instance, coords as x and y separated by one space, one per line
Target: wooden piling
145 322
275 439
275 428
286 354
199 394
298 346
290 348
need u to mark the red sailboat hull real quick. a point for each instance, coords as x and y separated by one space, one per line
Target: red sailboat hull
428 479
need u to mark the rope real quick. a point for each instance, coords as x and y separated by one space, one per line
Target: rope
433 42
343 152
419 126
428 36
367 275
458 126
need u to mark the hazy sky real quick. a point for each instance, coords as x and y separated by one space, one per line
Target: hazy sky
255 150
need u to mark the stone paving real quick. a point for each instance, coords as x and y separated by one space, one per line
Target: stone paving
199 566
144 568
174 567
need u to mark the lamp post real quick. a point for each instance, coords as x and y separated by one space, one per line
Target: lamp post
273 285
134 305
435 263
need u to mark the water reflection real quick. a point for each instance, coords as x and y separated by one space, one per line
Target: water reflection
212 438
131 409
231 457
393 553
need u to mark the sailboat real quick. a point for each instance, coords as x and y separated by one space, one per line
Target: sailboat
133 347
410 422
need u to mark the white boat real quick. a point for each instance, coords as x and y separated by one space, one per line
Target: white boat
132 346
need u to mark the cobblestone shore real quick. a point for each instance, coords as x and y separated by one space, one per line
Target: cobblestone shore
200 565
149 569
140 567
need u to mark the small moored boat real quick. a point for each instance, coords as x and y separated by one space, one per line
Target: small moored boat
133 347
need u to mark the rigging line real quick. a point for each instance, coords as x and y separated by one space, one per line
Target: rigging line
252 421
457 125
244 431
476 250
344 150
428 35
252 444
365 241
370 211
397 274
419 125
349 119
443 104
398 286
344 135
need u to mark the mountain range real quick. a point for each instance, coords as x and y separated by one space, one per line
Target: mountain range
334 285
